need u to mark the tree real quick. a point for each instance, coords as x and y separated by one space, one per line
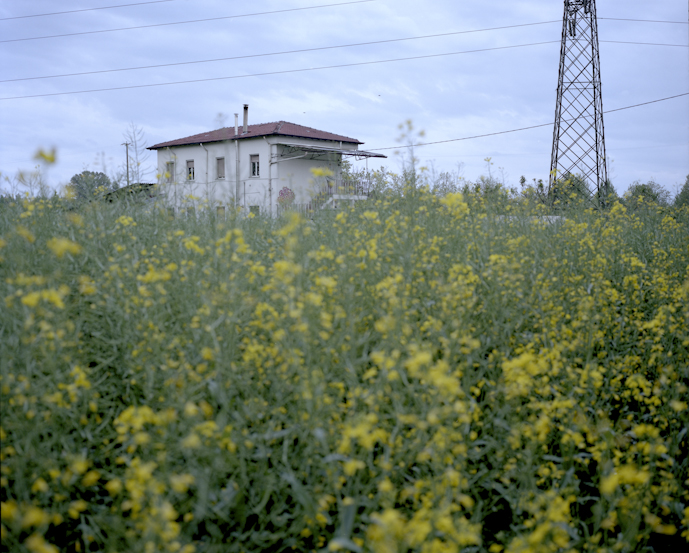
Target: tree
682 199
650 193
608 195
87 185
138 154
569 191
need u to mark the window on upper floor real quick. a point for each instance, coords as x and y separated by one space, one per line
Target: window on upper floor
220 167
190 169
255 169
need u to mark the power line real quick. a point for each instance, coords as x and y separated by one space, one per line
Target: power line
276 53
286 71
641 43
644 20
85 10
521 129
189 21
321 48
162 1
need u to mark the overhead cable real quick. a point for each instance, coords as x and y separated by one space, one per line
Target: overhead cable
305 50
520 129
85 10
285 71
641 43
644 20
277 53
189 21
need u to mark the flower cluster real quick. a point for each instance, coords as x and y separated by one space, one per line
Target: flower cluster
412 374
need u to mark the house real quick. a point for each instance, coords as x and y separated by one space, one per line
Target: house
258 167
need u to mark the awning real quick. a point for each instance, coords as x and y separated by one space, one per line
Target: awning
359 154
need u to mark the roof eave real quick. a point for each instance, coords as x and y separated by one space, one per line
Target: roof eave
163 145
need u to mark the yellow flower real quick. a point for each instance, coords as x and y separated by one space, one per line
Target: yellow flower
76 507
26 234
207 354
114 486
181 482
76 219
353 465
79 465
385 486
86 285
39 485
455 204
192 441
31 299
48 157
55 296
61 246
190 409
8 510
34 516
90 478
321 172
609 484
37 544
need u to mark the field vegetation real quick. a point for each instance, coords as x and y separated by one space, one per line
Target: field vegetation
426 371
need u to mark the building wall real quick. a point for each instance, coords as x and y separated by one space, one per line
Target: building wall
276 171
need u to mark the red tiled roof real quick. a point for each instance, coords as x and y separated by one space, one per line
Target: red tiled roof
282 128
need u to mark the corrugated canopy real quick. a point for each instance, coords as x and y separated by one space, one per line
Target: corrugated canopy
328 150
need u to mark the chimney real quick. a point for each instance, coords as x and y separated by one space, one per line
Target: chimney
236 124
246 118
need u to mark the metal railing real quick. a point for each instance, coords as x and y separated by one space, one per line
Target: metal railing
327 196
346 188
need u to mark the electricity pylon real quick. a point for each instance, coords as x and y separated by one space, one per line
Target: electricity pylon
579 136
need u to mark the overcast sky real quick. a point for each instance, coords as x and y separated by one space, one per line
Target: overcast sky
449 97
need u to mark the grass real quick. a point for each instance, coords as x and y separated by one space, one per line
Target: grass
412 373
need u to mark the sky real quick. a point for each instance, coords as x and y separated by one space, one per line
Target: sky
446 96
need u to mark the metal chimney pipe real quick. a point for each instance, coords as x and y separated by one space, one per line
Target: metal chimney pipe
236 159
246 118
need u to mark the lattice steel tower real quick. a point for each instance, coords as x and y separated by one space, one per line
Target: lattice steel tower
579 137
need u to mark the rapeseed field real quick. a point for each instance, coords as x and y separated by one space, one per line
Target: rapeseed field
409 374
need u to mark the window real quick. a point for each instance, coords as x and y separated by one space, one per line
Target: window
220 167
170 171
254 166
254 209
190 170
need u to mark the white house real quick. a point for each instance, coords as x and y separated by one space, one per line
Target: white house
249 166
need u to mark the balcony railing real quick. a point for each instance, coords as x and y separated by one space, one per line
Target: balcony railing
346 188
329 195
